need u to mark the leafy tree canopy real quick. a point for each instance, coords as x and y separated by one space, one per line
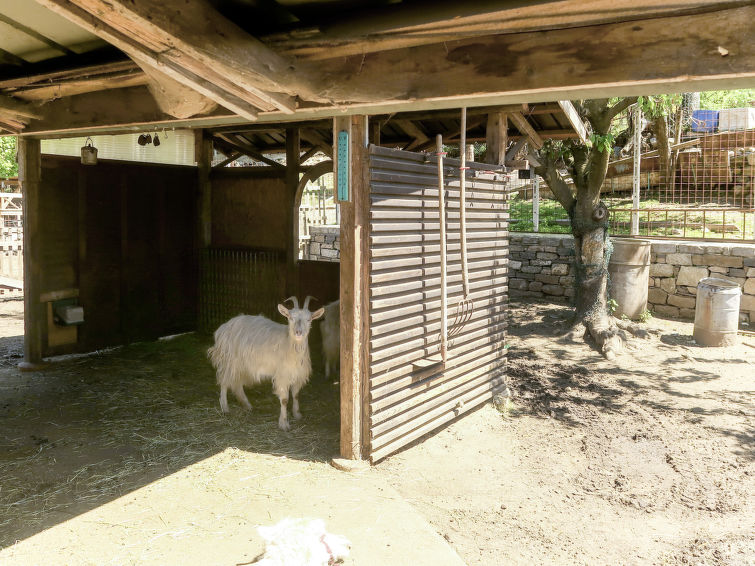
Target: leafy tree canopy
8 164
718 99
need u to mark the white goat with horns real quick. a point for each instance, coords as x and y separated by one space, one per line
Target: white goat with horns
252 349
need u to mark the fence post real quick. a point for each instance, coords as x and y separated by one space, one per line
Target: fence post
536 204
637 117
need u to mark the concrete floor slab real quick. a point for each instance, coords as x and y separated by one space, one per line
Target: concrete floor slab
207 513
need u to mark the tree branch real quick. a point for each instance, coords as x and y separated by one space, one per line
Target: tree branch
620 106
549 172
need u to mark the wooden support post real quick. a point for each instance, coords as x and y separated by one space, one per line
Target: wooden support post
536 204
497 138
203 157
293 166
634 228
35 316
355 292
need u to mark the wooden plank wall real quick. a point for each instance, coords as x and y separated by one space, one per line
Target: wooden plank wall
120 235
404 300
240 281
244 270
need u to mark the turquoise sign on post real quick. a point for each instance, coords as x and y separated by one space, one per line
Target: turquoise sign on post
343 165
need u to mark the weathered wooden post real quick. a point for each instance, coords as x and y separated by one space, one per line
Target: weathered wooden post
497 138
203 157
351 173
30 178
637 119
293 144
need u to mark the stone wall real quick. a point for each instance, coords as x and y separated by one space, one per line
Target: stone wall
541 266
324 243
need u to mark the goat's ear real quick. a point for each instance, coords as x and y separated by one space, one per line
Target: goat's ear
284 311
317 314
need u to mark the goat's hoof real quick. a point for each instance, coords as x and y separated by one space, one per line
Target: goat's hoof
283 425
297 416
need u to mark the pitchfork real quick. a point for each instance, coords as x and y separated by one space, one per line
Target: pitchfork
465 307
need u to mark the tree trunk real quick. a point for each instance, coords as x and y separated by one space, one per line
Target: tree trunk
592 251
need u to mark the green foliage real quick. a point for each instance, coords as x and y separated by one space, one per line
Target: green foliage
8 163
602 143
659 105
612 305
555 150
645 315
719 99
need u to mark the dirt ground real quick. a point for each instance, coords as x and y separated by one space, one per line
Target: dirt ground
649 459
645 460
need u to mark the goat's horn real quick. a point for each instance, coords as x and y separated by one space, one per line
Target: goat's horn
306 301
294 300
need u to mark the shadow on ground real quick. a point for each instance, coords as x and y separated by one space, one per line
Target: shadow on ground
89 429
573 383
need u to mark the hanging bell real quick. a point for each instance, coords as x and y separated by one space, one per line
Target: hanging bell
156 140
142 140
148 138
89 153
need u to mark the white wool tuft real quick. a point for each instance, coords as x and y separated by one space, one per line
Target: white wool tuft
301 542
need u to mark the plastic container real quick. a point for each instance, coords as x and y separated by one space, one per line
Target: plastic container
716 312
629 268
704 121
736 119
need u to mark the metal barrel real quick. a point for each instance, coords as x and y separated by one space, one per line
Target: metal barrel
629 268
716 312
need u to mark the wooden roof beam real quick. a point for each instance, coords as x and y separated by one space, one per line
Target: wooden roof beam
413 131
81 86
574 119
401 26
194 44
247 149
17 110
526 128
673 54
317 141
670 52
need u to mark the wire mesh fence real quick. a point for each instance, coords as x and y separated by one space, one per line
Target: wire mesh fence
695 180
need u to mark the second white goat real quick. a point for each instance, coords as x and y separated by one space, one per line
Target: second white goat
252 349
331 336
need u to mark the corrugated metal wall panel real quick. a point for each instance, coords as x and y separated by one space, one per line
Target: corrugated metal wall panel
406 403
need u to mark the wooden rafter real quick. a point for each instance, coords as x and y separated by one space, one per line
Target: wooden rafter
526 129
223 63
230 159
234 143
414 131
311 152
574 119
77 73
515 149
452 135
81 86
317 140
16 110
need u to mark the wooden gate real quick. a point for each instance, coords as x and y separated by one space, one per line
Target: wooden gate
410 394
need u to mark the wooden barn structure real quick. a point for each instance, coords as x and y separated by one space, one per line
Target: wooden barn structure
369 85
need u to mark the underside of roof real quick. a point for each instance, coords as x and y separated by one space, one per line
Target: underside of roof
69 67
